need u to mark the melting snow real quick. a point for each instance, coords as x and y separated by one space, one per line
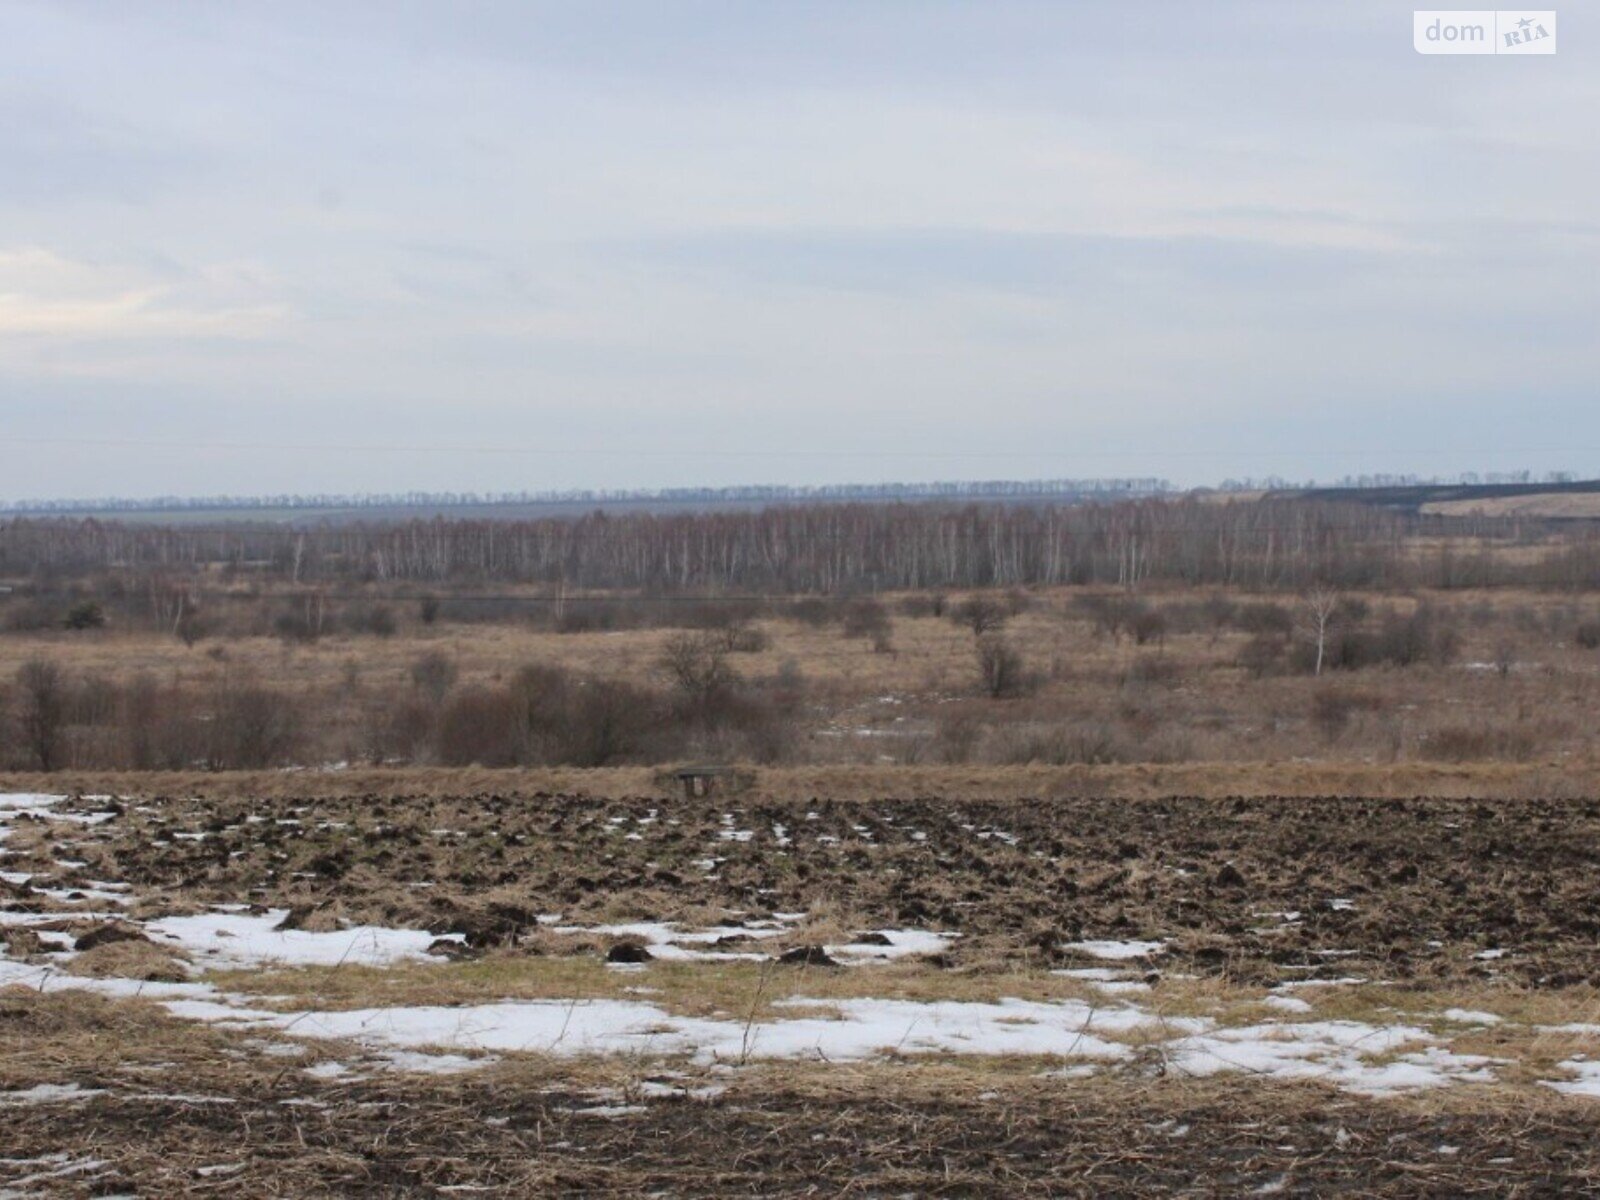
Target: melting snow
666 941
1118 950
1333 1050
902 942
49 1093
844 1030
221 939
1587 1082
1467 1016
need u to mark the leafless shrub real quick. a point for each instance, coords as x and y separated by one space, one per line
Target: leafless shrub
1086 742
1017 601
399 730
789 683
1114 615
375 619
1147 625
1333 707
921 604
140 704
433 675
744 637
958 736
251 727
1263 655
85 614
42 711
696 664
304 621
1000 667
1425 636
814 611
609 722
982 614
481 726
1463 743
865 617
1154 669
1264 617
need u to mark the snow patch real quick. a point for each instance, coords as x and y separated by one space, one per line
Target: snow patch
222 939
1118 950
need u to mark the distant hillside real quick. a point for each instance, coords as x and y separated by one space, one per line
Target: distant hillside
1577 500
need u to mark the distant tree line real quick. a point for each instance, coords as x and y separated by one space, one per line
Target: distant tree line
842 548
1064 489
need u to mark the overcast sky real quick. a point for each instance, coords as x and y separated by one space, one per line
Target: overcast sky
341 246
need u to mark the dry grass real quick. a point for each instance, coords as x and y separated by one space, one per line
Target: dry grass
1183 699
862 781
186 1110
1539 504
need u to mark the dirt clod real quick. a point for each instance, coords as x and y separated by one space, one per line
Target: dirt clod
807 956
629 952
108 933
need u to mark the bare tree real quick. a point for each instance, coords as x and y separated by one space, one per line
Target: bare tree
999 666
43 710
1321 614
697 664
251 727
433 675
981 614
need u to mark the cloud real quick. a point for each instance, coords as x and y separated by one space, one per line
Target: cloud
45 295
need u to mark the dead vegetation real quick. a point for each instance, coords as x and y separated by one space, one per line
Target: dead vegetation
1060 678
164 1108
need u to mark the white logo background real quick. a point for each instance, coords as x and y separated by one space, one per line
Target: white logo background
1484 31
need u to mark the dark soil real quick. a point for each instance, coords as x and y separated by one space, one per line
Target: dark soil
405 1138
1392 889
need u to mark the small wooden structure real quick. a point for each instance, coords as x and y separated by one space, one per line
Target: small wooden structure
699 780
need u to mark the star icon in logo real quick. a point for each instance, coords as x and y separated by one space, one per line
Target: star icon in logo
1524 23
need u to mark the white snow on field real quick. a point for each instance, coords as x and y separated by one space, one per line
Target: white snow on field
667 941
1587 1082
1335 1051
837 1031
219 939
1286 1003
1467 1016
49 1093
1357 1057
27 801
50 1167
17 804
671 943
1117 950
433 1064
902 943
49 978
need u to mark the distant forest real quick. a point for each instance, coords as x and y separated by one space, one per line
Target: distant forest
841 549
1064 489
754 494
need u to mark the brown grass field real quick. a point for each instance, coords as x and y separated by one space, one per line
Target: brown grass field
1513 688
